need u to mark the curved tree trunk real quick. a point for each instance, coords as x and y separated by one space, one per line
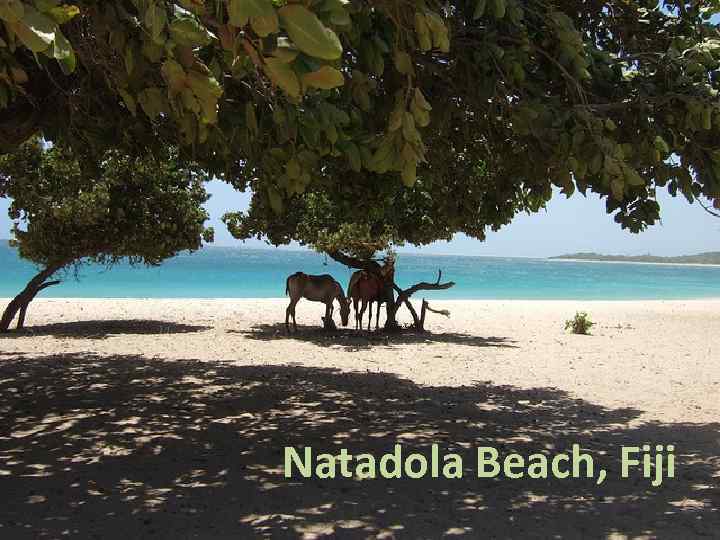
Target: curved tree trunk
21 301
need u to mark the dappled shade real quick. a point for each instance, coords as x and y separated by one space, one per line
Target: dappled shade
103 329
353 340
130 447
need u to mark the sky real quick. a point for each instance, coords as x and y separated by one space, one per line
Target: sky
567 226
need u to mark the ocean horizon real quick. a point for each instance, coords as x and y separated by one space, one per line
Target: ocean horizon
240 272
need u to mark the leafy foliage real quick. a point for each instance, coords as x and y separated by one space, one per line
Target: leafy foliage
145 210
354 121
580 324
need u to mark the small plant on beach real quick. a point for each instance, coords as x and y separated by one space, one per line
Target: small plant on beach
580 324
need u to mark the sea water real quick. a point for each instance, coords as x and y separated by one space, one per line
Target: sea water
237 272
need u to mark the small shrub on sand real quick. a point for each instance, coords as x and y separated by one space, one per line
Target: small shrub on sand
581 324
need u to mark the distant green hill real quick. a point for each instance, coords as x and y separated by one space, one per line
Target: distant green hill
711 257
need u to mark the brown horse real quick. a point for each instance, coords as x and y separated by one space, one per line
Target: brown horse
316 289
364 289
371 289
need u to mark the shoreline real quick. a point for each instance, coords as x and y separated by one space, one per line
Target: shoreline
519 343
695 265
6 299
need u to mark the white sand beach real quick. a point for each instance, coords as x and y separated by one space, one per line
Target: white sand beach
109 387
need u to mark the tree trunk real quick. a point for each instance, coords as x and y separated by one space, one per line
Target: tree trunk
21 301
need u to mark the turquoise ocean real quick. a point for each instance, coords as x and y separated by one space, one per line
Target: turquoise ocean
230 272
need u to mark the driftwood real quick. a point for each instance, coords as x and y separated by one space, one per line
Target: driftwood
404 298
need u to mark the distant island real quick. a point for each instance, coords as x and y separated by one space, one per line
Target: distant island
711 257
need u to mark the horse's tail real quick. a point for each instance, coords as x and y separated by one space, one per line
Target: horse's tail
353 282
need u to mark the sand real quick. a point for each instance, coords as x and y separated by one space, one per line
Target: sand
168 418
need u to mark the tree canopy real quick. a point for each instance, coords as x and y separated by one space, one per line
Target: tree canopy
143 210
357 124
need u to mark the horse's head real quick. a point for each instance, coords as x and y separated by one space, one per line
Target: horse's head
345 310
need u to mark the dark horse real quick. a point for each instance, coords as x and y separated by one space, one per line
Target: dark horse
365 288
316 289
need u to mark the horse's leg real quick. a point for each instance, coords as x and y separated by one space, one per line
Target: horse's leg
328 315
370 314
291 309
363 307
288 311
357 319
377 316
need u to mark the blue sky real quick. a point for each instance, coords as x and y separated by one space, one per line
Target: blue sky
567 226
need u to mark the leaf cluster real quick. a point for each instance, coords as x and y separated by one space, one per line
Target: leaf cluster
64 211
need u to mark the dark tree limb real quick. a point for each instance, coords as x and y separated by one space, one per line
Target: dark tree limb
425 308
21 301
353 262
24 307
709 210
404 298
423 286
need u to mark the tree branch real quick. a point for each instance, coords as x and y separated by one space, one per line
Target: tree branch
354 262
709 210
404 295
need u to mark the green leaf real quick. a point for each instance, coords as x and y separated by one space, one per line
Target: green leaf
237 13
409 174
174 75
35 30
129 59
293 169
618 188
661 146
64 53
309 34
353 155
11 10
155 20
283 76
396 119
479 9
325 78
129 101
403 63
266 24
207 91
153 102
64 13
276 202
251 118
420 100
423 32
187 32
240 11
499 7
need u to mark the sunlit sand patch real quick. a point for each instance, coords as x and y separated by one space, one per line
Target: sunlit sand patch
689 504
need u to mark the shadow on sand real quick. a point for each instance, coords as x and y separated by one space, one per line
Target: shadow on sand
353 339
128 447
103 329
